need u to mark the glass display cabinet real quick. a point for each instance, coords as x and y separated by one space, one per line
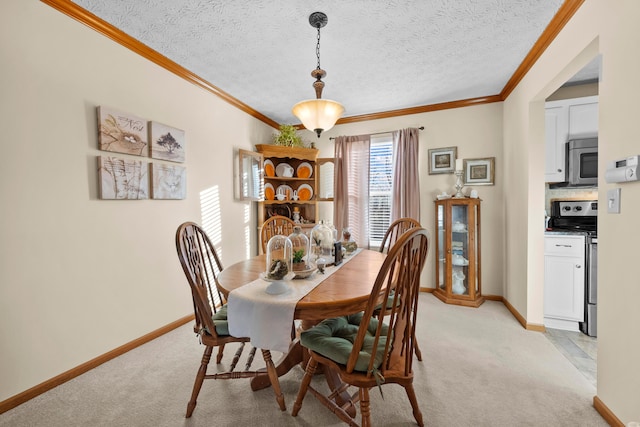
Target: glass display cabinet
458 251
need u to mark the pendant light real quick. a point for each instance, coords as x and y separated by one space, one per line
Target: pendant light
318 114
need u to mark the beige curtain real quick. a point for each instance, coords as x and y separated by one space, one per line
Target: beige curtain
405 190
351 198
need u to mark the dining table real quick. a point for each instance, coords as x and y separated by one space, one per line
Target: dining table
344 291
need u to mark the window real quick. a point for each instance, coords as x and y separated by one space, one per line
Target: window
380 171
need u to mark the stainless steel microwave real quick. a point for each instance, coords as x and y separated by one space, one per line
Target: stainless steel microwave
582 162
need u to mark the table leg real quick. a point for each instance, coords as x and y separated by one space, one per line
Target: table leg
284 365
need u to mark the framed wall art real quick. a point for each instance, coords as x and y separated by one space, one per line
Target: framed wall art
442 160
166 142
479 171
122 132
169 181
123 179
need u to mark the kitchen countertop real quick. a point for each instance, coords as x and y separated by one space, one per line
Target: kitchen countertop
566 233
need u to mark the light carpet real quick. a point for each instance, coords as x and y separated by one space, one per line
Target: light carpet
480 368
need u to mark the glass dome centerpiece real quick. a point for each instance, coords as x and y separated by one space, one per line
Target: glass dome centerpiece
279 268
303 266
322 243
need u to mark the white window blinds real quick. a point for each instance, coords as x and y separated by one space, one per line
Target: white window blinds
380 173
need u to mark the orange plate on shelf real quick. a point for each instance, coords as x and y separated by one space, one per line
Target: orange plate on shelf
269 192
305 192
304 170
269 170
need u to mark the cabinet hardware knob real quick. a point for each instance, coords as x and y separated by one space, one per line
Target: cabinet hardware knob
559 170
578 266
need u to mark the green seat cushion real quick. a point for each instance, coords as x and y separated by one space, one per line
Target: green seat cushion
220 320
334 338
389 302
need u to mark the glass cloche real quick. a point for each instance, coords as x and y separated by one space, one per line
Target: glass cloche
279 258
301 249
322 242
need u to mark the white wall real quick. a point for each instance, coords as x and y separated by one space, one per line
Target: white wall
81 276
608 28
477 133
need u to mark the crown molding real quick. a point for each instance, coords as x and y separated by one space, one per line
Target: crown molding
92 21
564 14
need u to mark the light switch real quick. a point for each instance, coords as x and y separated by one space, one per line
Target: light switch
613 201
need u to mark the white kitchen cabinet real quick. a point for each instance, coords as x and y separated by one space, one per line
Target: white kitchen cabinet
566 119
564 275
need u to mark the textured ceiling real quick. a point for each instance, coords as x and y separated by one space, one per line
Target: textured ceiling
379 56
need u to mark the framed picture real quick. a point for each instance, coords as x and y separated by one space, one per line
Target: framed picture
442 160
122 179
479 171
121 132
166 142
169 182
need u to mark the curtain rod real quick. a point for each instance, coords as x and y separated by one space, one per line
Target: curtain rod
378 133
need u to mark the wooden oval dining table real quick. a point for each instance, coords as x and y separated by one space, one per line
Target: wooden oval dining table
346 291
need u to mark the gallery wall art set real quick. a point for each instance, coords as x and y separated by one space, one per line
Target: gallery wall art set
125 178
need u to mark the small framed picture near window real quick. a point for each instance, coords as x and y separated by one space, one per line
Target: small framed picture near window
479 171
442 160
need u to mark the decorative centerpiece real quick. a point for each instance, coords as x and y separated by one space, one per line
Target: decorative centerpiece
322 241
279 268
348 244
303 266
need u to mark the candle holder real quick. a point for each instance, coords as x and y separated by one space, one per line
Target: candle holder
459 185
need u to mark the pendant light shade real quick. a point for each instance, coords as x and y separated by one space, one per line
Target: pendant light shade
318 114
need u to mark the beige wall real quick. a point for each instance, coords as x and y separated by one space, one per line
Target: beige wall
477 133
81 276
608 28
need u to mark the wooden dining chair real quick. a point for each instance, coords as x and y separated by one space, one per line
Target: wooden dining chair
395 230
277 224
201 264
364 351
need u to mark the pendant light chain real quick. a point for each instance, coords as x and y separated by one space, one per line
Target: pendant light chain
318 48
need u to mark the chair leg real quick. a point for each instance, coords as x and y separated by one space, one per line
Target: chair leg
306 380
202 371
417 350
273 377
220 351
414 404
365 409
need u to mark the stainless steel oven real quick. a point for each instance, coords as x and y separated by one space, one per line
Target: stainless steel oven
581 216
590 324
582 162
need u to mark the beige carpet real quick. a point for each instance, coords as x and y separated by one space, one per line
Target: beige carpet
481 368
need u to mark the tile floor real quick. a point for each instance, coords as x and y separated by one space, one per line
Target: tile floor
580 349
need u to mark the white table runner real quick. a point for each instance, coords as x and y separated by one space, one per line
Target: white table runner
267 319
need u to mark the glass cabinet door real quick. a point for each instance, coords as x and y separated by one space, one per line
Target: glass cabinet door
459 249
442 257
